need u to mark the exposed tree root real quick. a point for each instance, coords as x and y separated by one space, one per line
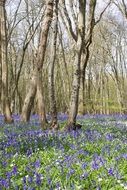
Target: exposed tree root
54 125
44 125
8 120
73 127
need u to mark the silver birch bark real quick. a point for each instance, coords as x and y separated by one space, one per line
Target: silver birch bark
77 64
3 63
53 108
41 103
88 42
29 100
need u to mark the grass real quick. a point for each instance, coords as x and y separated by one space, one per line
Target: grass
94 157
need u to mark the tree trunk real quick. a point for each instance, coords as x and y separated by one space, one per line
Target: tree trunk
77 64
53 109
3 63
88 41
83 71
40 103
29 100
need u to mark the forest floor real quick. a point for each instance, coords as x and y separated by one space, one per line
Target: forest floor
94 157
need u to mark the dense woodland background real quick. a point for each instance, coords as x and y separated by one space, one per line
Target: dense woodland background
51 48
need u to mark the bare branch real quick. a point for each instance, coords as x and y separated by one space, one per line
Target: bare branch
68 20
101 14
125 8
122 7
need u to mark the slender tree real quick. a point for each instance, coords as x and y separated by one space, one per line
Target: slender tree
35 85
88 41
77 67
3 63
53 109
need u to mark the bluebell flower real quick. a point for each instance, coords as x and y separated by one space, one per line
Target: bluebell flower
37 164
95 165
49 181
28 169
14 171
8 175
109 136
31 188
84 165
30 179
38 179
25 187
4 164
24 180
111 172
58 185
72 171
29 152
4 183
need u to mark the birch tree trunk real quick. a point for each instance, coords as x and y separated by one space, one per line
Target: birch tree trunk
40 103
88 41
53 109
35 79
3 63
29 100
77 64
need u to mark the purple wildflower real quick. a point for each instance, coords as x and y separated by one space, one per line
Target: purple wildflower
84 165
49 181
4 183
8 175
30 179
24 180
4 164
110 172
38 179
109 136
37 164
25 187
14 171
58 185
95 165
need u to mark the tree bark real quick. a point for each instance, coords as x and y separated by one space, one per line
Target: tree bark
88 41
40 103
29 100
3 59
52 99
77 64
